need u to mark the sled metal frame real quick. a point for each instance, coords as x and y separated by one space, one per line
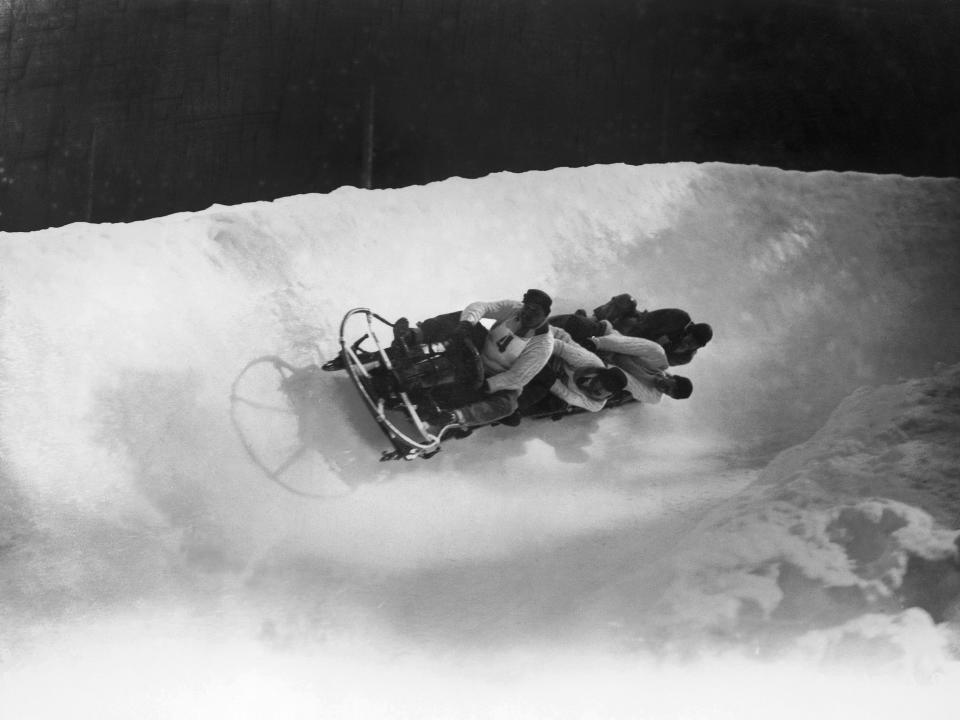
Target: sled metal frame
405 446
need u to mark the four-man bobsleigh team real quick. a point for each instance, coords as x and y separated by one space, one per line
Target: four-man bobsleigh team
536 363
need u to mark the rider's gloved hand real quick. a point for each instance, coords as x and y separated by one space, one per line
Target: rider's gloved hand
464 329
596 327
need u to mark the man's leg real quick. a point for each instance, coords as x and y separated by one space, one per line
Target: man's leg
490 409
436 329
538 388
507 403
439 328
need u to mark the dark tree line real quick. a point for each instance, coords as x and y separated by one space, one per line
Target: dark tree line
115 110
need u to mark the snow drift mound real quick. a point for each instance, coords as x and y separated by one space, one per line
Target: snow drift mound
847 545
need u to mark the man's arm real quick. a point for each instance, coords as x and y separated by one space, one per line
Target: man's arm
574 358
634 352
562 391
647 352
573 355
641 391
496 310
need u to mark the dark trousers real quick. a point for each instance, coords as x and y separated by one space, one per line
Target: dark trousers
441 327
537 389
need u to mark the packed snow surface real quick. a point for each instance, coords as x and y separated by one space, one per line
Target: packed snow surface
782 544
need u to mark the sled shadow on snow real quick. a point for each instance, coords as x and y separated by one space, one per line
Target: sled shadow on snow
324 417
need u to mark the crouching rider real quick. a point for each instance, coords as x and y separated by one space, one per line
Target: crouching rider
514 352
583 380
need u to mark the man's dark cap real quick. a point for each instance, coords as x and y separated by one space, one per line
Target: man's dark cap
613 379
539 298
702 333
684 388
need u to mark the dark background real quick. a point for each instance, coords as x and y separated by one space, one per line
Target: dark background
117 110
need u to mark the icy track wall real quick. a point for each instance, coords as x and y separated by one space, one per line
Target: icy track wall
815 283
122 478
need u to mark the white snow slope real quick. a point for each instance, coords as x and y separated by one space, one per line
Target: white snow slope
662 561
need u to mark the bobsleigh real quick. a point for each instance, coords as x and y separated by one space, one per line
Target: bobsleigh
400 384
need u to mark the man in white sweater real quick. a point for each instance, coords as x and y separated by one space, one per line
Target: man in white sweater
583 379
645 363
514 351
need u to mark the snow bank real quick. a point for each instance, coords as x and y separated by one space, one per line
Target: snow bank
131 517
847 543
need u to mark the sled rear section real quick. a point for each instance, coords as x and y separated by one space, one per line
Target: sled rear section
403 384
